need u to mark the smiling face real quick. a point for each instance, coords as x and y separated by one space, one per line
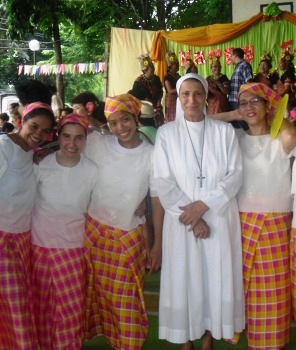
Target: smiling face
72 138
253 109
35 131
123 125
192 97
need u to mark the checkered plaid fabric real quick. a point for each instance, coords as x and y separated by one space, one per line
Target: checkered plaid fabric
115 277
293 269
58 279
17 331
265 239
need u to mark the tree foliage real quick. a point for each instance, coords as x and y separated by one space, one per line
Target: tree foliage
80 29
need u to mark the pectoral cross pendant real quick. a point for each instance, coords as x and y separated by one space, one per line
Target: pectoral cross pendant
200 177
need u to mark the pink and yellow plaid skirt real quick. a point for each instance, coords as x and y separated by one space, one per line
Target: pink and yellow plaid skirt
115 277
265 241
17 331
58 280
293 269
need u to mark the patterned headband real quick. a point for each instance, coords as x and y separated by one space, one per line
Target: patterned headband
124 102
74 118
35 105
264 92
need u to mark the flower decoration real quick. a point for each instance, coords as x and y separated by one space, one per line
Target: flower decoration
266 57
214 55
287 54
145 63
171 58
293 114
184 57
249 54
228 53
272 10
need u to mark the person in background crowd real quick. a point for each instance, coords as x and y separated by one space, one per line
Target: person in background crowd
218 88
242 74
16 118
65 182
115 247
148 87
190 66
201 288
88 105
170 81
265 76
18 186
7 128
56 102
147 131
286 81
4 117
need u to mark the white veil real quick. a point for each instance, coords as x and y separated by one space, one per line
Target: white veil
179 110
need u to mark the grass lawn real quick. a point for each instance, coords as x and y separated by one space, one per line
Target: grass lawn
153 343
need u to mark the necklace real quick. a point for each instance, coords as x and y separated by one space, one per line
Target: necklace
200 177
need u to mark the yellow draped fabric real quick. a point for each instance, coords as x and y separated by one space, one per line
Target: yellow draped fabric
204 36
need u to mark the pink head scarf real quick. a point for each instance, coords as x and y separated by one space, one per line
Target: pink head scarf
124 102
35 105
74 118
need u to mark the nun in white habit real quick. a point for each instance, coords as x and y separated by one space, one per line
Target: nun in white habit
197 174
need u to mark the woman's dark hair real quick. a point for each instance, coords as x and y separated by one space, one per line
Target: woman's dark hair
87 96
40 112
7 127
68 110
4 117
30 91
268 63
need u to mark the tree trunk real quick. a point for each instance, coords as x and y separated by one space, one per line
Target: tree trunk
59 58
160 8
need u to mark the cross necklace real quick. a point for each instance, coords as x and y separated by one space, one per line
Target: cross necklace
200 177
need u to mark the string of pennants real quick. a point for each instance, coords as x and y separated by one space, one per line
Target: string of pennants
75 68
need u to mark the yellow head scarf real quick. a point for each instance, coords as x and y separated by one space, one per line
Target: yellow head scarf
124 102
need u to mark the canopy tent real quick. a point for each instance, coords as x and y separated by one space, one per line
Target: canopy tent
258 34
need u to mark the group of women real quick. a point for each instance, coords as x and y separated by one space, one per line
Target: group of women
61 284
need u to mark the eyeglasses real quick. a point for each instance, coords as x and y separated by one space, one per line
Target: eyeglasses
253 102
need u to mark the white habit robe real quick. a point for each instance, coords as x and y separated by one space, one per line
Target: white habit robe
201 279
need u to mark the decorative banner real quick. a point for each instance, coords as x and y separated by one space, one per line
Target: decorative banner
47 69
184 57
228 53
199 57
249 55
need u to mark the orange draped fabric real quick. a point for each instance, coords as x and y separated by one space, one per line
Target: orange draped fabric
204 36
